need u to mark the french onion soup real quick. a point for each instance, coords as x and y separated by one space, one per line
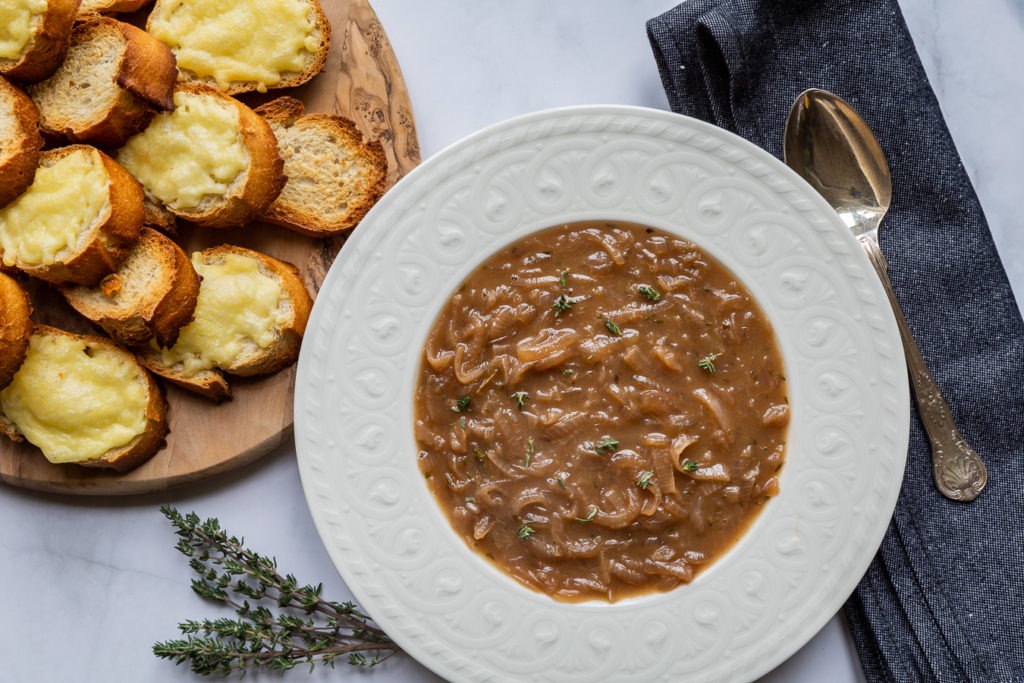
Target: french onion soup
601 411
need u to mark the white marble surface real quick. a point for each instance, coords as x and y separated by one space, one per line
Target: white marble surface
89 584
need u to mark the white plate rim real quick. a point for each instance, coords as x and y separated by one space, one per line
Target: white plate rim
322 368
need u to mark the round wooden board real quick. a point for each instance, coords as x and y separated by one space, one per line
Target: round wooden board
362 81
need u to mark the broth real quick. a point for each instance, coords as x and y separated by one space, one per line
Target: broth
601 410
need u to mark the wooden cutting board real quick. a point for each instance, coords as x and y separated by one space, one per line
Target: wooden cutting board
362 81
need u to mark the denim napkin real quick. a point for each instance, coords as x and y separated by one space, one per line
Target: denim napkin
943 600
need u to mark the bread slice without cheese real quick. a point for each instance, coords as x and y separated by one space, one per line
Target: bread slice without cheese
334 175
76 222
34 36
152 295
241 46
15 327
211 160
82 399
114 78
20 142
249 320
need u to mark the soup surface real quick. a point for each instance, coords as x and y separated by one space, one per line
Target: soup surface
601 411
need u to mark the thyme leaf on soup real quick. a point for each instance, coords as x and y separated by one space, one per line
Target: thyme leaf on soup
562 304
462 405
606 445
520 397
690 466
529 452
649 293
525 531
590 515
564 277
560 482
644 480
707 363
612 327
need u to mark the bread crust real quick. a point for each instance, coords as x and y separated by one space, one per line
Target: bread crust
46 49
283 352
260 185
111 237
357 192
166 288
18 164
146 443
15 327
93 8
321 29
145 76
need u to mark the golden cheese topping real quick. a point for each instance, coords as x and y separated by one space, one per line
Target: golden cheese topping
76 400
64 200
190 153
239 40
239 306
17 21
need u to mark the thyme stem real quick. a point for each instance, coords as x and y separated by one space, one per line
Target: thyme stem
304 629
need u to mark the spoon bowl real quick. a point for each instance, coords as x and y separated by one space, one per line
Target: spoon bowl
828 144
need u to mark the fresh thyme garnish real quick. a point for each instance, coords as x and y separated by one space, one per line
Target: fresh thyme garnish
305 630
568 372
562 304
708 362
690 466
607 445
590 515
612 327
564 277
560 482
644 480
520 397
525 531
462 405
649 292
529 451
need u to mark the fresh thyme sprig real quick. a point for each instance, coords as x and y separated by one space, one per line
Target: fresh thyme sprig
305 630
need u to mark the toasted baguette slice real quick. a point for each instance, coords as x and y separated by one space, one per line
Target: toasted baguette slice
114 78
152 295
239 46
249 320
82 399
76 222
34 37
15 327
334 175
212 160
89 9
20 142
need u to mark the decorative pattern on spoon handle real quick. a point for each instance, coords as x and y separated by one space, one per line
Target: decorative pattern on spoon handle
959 472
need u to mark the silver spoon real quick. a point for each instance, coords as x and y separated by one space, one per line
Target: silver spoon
831 147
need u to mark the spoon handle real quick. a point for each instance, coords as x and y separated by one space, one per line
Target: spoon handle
959 472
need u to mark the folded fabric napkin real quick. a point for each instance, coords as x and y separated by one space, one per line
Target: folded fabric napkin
944 598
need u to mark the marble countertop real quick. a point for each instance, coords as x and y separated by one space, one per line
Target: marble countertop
89 584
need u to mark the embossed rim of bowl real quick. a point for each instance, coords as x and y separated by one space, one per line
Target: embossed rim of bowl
847 448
